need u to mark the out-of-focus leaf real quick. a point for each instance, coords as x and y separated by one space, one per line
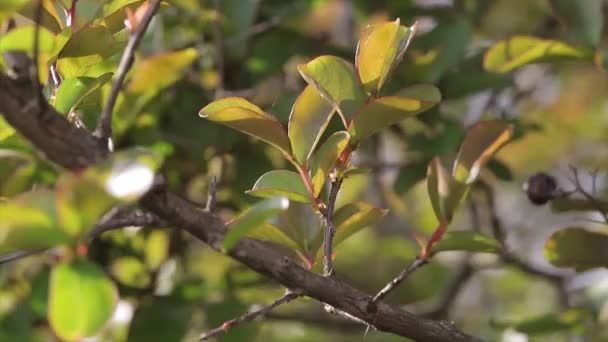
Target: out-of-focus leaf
157 248
87 48
281 182
244 116
130 271
380 49
445 192
410 175
114 13
584 18
336 81
22 39
500 170
272 233
159 71
569 320
507 55
578 248
466 241
309 117
252 218
326 157
81 300
238 17
563 204
29 221
9 7
461 83
73 90
385 111
51 20
349 220
40 293
480 143
160 319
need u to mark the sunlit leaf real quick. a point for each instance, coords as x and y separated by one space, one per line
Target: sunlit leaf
272 233
29 221
161 70
281 182
22 38
252 218
385 111
466 241
87 47
380 49
130 271
336 81
515 52
51 20
324 160
81 300
445 192
577 248
73 90
309 118
480 143
584 18
156 249
244 116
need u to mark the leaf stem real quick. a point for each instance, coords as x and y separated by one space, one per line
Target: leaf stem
330 231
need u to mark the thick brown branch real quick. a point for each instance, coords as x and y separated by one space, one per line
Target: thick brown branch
74 148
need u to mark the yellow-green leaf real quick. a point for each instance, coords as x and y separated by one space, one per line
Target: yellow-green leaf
445 192
73 90
510 54
324 160
272 233
578 248
309 117
252 218
380 49
385 111
22 39
480 143
336 81
86 49
244 116
9 7
81 300
281 182
159 71
468 241
51 20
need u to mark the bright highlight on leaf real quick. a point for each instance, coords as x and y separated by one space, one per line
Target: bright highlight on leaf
336 81
380 49
253 218
309 117
577 248
81 300
281 183
507 55
244 116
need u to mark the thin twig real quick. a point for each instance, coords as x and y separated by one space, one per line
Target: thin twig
120 217
16 255
212 195
330 231
250 316
36 56
103 131
413 266
580 189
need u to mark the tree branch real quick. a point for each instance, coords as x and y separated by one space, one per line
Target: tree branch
74 149
103 130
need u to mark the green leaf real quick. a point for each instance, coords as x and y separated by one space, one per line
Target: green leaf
336 81
162 70
29 221
445 192
87 48
569 320
22 39
252 218
507 55
309 117
500 170
272 233
81 301
73 90
578 248
584 18
480 143
9 7
51 20
326 157
385 111
349 220
130 271
161 319
380 49
564 204
244 116
410 175
281 182
466 241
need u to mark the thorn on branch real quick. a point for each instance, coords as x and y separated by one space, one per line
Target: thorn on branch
103 131
250 316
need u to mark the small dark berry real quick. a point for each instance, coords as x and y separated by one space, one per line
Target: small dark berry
541 188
